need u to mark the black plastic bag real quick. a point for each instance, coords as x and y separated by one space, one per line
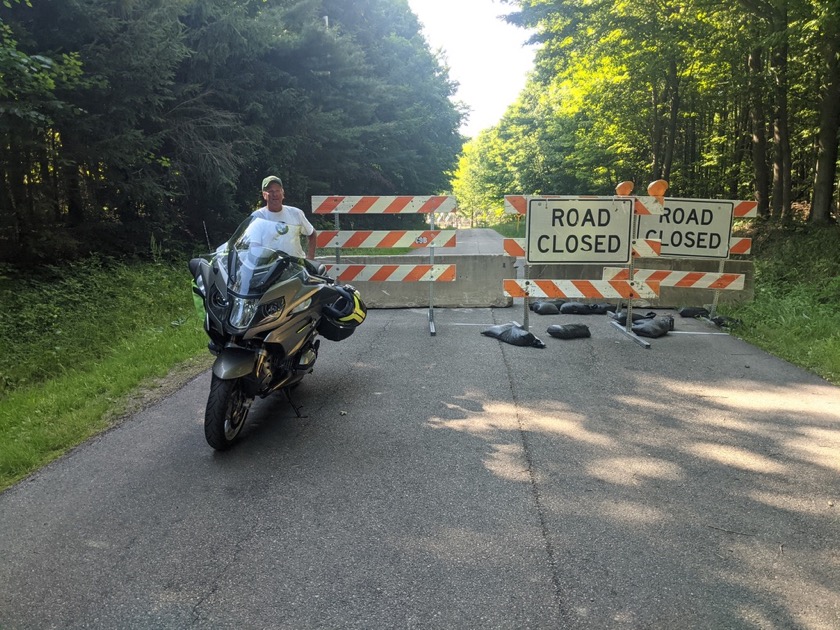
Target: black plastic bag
693 311
540 304
722 321
545 308
579 308
569 331
514 334
621 316
575 308
601 309
654 327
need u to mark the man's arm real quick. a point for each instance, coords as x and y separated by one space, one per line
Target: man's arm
310 247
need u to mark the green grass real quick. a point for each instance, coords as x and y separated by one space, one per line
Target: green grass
513 228
795 314
84 338
794 325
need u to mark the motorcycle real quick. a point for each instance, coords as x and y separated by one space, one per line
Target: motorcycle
263 311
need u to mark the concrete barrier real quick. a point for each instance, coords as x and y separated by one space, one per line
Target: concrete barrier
670 297
478 283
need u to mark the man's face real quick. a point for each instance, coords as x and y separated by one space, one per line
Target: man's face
273 196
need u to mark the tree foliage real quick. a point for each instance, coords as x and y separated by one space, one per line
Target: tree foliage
722 100
125 120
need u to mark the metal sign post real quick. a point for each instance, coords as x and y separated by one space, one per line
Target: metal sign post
716 298
432 330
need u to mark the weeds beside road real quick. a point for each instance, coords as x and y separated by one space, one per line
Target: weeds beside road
78 342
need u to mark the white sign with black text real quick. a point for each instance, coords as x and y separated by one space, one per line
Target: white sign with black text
690 228
581 230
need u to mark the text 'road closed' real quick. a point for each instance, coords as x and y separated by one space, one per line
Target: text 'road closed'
690 228
582 230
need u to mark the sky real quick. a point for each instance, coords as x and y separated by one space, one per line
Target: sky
486 56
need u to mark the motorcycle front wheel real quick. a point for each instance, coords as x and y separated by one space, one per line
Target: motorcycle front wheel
227 408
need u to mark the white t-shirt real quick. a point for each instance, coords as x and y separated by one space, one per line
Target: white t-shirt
292 224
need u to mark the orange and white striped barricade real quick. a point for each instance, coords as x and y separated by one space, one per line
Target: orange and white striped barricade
702 229
514 247
680 279
698 228
583 230
393 273
343 204
385 239
694 228
582 289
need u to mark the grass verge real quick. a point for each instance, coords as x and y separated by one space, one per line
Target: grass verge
795 313
117 332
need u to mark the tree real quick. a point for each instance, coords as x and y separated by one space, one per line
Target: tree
829 115
160 118
708 95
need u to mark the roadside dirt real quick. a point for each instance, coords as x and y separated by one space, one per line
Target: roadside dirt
153 390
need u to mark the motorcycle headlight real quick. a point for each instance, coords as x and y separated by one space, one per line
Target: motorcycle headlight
242 311
272 310
217 304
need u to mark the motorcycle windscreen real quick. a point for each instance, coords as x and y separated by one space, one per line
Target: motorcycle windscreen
252 261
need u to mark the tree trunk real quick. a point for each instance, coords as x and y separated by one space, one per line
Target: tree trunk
781 129
759 134
656 136
826 169
674 93
9 217
75 203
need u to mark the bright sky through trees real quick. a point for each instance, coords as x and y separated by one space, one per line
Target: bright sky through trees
486 55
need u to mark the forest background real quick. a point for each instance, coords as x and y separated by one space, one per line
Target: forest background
135 133
123 121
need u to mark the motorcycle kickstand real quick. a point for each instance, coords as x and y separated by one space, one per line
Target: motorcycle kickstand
291 402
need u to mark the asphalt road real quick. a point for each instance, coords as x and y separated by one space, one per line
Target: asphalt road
454 481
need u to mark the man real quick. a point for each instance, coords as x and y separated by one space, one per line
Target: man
292 224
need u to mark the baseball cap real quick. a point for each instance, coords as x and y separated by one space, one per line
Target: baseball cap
269 179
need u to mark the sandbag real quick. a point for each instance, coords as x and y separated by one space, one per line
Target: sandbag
579 308
693 311
601 309
545 308
723 321
514 334
569 331
621 316
654 327
536 305
574 308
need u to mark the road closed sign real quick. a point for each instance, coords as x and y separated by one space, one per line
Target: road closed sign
690 228
579 230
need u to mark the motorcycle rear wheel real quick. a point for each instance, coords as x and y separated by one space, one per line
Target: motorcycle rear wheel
227 409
